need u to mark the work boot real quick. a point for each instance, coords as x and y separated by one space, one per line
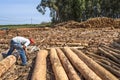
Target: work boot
24 64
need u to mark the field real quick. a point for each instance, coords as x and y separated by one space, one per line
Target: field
98 38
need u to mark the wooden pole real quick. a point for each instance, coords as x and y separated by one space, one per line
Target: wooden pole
80 65
6 63
99 70
1 57
58 69
68 66
39 72
101 50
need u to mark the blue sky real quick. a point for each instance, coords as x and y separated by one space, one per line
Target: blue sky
21 12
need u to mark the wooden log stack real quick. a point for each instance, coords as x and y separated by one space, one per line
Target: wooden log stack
99 70
6 63
68 62
39 72
58 69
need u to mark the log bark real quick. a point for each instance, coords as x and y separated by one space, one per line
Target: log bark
111 52
101 50
80 65
39 72
1 57
69 44
6 63
58 69
99 70
80 47
72 74
115 44
109 68
106 59
112 49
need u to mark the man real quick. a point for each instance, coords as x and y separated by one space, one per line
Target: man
20 43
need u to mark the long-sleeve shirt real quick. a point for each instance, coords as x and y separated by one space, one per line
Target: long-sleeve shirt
21 40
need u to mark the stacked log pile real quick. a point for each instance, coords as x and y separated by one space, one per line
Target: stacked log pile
6 63
67 63
108 57
40 66
90 69
99 22
70 34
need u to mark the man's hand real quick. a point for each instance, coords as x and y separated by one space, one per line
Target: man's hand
24 47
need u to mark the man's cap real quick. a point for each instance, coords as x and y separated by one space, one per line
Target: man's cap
32 40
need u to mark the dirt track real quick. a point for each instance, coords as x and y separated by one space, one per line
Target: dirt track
90 38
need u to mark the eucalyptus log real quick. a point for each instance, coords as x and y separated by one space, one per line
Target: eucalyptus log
69 44
101 50
6 63
109 68
80 65
115 44
39 72
112 49
108 63
99 70
101 57
72 74
79 47
1 57
58 69
117 55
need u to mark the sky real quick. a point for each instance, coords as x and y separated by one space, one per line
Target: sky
21 12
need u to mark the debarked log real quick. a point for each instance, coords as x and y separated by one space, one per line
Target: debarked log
58 69
117 55
1 57
39 72
115 44
6 63
112 70
72 74
107 54
80 65
69 44
112 49
106 59
99 70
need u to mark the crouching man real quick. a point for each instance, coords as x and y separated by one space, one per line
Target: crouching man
20 43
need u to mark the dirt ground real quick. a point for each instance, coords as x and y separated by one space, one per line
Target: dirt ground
90 37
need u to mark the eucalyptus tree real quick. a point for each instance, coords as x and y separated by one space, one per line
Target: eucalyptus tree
78 10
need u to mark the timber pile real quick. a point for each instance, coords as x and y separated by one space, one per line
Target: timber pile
108 57
85 39
73 64
99 22
6 63
66 63
40 66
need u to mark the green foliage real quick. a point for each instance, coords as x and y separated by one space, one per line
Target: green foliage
79 10
43 24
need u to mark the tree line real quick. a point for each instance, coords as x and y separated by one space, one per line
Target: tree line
79 10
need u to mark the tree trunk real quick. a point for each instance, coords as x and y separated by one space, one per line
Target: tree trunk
67 65
115 72
101 50
39 72
99 70
80 65
6 63
58 69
